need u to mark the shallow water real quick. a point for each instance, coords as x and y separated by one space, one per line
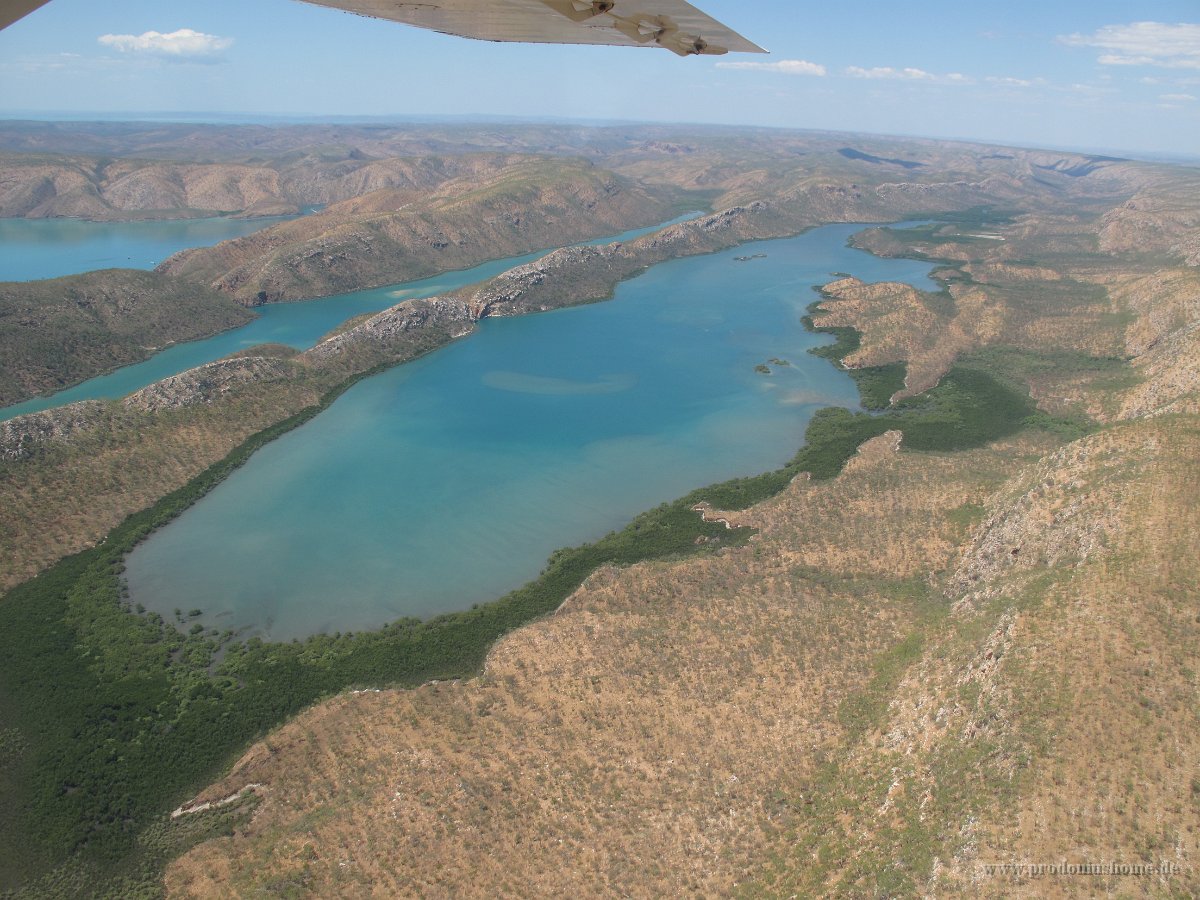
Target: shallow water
49 248
449 480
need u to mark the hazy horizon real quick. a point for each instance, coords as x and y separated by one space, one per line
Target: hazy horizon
233 119
1071 75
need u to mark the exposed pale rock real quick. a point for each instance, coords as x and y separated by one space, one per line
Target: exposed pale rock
207 383
448 313
21 434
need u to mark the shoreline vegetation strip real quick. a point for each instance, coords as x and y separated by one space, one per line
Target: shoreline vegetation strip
109 717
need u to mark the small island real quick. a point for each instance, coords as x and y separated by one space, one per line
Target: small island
748 258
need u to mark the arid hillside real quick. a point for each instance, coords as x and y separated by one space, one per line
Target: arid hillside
106 189
59 331
114 171
721 725
386 236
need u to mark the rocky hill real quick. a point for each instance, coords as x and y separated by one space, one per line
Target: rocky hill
59 331
407 219
383 238
106 189
132 170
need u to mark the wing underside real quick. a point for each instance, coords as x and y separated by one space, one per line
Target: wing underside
672 24
12 10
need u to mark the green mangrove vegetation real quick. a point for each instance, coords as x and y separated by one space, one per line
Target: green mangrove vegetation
876 384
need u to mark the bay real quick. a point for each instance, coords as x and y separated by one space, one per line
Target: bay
449 480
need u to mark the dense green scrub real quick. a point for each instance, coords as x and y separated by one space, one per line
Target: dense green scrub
876 384
968 408
108 718
60 331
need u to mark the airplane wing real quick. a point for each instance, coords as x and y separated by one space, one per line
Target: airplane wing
11 10
672 24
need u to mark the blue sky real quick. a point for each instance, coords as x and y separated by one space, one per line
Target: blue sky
1102 75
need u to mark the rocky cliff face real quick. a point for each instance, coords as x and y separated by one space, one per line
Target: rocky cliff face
208 383
21 435
572 275
413 323
537 285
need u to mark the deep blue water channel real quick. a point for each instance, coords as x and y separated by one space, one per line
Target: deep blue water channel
449 480
298 325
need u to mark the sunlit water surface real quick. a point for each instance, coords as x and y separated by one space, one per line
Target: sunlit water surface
449 480
298 325
49 248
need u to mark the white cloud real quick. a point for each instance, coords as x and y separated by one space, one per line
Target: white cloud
784 67
889 72
1177 98
1144 44
907 74
1009 82
182 44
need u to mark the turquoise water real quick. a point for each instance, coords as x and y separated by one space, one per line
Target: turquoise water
298 325
449 480
48 248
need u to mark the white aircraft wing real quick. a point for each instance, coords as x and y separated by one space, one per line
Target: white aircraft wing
672 24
